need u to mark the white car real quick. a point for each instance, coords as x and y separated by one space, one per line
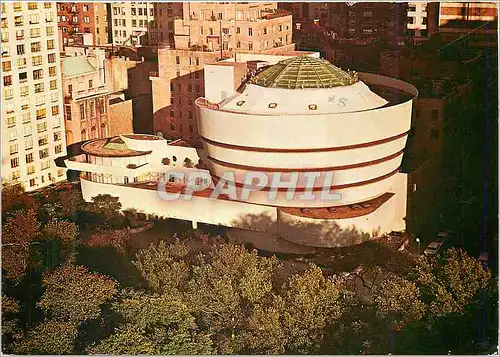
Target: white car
442 236
433 248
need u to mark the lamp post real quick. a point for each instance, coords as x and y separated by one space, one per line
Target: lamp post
418 242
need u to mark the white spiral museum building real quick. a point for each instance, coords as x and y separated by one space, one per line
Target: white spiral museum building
301 117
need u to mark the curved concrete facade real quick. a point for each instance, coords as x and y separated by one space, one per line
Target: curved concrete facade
363 149
338 169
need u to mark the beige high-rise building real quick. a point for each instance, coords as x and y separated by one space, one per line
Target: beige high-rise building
207 32
32 102
142 23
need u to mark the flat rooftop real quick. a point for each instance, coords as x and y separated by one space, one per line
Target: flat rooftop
110 147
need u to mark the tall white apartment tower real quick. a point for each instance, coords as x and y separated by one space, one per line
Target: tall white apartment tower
32 102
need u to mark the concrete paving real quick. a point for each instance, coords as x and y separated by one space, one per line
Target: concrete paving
272 243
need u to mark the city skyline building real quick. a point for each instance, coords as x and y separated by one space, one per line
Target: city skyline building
203 33
32 103
83 18
86 96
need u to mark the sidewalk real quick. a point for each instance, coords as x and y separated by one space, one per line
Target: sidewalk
269 242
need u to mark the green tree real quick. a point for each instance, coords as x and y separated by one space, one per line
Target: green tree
116 238
51 337
19 231
164 267
74 294
14 198
397 301
63 230
154 324
71 203
10 328
225 286
312 302
450 283
105 205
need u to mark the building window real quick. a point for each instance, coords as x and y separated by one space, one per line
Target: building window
41 113
86 19
313 107
37 60
50 44
44 140
177 60
32 182
51 57
28 143
250 31
7 80
16 174
52 71
67 109
272 105
14 162
92 109
35 32
39 88
250 46
6 66
83 112
102 105
36 47
41 127
435 114
45 165
31 170
14 148
37 74
20 50
240 103
11 121
29 158
55 110
58 149
53 84
57 136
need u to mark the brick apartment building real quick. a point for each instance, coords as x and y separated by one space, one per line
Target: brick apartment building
359 20
205 33
83 17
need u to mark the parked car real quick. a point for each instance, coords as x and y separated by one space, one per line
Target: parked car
483 259
443 235
433 248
